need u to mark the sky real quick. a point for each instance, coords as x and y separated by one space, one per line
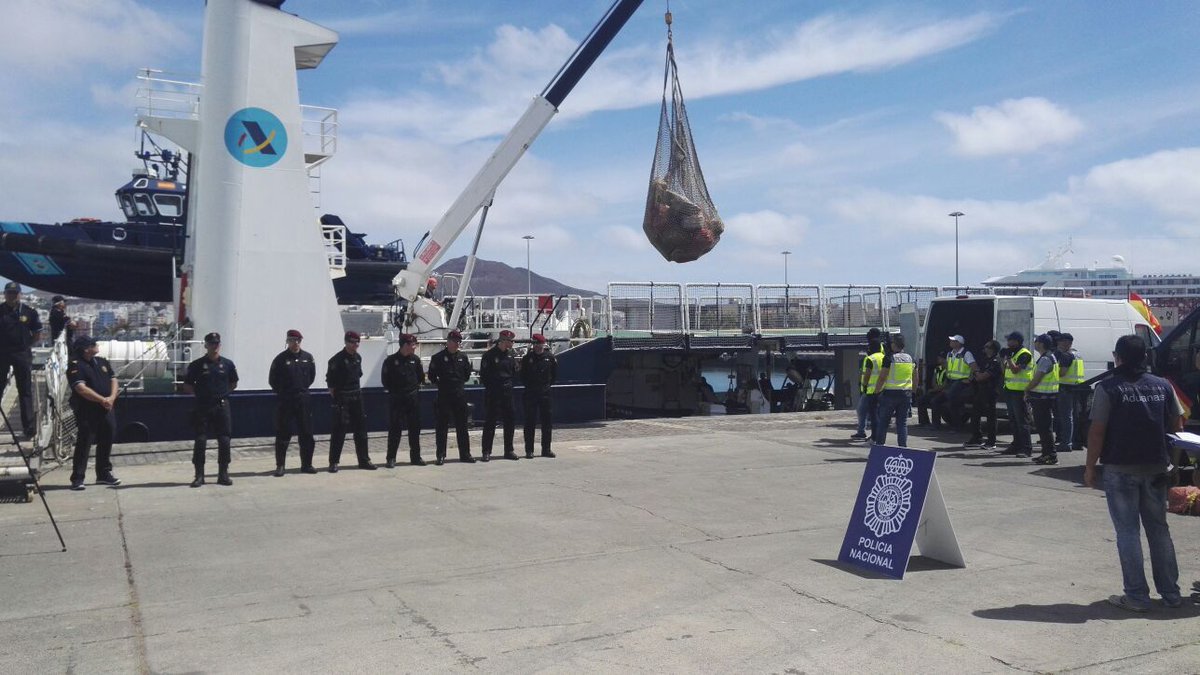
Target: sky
844 132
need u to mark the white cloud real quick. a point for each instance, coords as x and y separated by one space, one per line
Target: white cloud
1167 181
767 228
1016 126
50 36
495 84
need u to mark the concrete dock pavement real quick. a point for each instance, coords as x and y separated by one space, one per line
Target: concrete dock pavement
690 545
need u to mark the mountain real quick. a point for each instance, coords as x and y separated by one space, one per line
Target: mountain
496 278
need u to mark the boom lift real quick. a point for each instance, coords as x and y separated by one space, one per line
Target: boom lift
421 314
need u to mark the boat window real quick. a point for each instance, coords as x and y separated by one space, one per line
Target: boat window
144 206
170 206
127 206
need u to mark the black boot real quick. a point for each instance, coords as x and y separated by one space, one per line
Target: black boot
223 476
548 453
278 471
199 480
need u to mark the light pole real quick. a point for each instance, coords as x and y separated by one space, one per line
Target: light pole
955 215
528 273
785 255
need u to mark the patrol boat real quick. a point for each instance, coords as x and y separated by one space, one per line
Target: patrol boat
136 260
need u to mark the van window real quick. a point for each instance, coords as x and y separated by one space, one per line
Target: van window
1182 362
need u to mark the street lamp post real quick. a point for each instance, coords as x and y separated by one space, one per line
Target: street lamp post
528 273
785 260
955 215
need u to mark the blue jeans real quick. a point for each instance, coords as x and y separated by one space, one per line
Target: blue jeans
1132 498
893 403
1065 408
1018 417
868 404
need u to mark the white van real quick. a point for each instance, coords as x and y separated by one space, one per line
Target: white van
1095 324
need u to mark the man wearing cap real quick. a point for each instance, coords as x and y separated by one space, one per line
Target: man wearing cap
344 377
292 373
20 327
539 371
868 402
59 321
1017 365
1042 393
403 376
960 363
450 369
1073 395
498 370
93 394
211 378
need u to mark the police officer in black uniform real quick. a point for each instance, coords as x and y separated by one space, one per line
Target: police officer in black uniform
343 377
211 378
292 373
539 371
498 370
20 327
403 376
59 321
450 369
93 393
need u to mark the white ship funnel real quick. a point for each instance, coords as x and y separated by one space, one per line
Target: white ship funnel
256 262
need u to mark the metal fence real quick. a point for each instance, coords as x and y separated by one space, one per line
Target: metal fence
790 307
852 307
720 308
646 306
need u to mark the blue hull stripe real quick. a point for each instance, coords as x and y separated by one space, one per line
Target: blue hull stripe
34 263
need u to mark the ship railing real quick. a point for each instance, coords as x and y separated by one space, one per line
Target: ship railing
334 237
919 298
525 314
646 308
717 309
790 308
850 308
168 95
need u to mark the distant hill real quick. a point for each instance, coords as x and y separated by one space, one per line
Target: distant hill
496 278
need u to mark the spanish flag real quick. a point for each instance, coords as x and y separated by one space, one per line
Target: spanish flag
1143 308
1184 400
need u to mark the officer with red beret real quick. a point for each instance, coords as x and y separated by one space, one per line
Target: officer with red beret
292 373
450 369
498 371
343 376
402 376
539 370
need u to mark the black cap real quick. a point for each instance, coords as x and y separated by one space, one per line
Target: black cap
12 287
874 334
83 342
1045 340
1066 336
213 338
1015 335
57 299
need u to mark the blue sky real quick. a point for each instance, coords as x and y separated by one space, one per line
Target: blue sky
844 132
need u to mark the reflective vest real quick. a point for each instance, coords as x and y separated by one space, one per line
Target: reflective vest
1019 381
1049 381
876 361
900 375
957 367
939 376
1074 372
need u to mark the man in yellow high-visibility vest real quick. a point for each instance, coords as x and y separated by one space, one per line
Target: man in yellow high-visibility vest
1073 395
1017 362
1042 393
895 392
960 364
868 375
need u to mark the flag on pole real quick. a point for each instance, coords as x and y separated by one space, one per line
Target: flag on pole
1143 308
1184 399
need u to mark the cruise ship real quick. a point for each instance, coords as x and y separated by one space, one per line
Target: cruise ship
1171 296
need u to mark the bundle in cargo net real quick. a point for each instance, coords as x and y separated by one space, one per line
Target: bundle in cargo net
681 220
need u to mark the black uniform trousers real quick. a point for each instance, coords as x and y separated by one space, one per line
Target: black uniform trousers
958 392
537 406
404 413
211 419
295 408
452 404
1018 416
96 425
348 415
984 408
498 403
21 366
1043 421
1081 399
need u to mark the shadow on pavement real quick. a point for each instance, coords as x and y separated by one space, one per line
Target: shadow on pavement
1009 462
852 569
1073 474
1099 610
847 460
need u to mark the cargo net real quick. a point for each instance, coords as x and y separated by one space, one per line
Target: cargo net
681 220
